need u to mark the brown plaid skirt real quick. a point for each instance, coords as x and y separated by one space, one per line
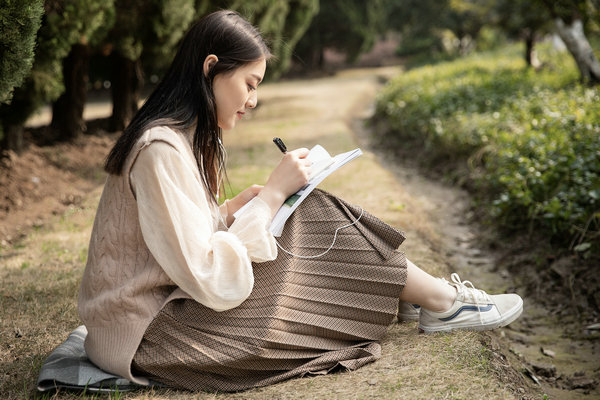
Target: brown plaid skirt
304 316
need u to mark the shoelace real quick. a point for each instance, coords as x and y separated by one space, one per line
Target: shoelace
474 293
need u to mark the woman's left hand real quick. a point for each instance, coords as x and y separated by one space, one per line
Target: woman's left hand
240 200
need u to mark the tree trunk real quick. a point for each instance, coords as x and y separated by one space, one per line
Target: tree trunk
530 54
574 38
67 110
318 59
13 138
127 83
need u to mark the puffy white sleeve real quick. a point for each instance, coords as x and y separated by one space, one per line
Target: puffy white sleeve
213 267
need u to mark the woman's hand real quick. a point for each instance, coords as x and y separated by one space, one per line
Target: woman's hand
286 179
240 200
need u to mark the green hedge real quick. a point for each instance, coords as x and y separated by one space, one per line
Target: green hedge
531 139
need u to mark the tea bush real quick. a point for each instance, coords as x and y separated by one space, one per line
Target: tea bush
531 138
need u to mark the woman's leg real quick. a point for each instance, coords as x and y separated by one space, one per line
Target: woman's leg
425 290
457 304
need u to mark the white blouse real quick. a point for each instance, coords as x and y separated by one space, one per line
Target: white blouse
180 228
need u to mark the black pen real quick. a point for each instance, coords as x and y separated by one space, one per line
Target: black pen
279 143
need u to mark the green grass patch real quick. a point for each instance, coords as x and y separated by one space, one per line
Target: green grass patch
526 141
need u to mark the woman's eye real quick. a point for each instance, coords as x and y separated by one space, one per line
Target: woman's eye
250 87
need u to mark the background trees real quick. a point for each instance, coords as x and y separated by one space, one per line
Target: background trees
523 20
350 27
571 17
149 28
64 24
90 22
130 39
282 22
19 22
133 35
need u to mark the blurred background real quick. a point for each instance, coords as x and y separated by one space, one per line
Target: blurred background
57 52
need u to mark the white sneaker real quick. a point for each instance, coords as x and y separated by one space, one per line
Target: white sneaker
473 309
408 312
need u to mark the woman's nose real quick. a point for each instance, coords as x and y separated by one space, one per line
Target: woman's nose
252 100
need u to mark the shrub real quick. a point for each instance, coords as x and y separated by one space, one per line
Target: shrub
20 21
531 138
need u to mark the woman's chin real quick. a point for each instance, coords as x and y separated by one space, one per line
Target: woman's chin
227 126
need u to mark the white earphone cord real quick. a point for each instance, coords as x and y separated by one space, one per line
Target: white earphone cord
362 211
219 178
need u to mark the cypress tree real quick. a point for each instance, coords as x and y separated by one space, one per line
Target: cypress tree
64 23
148 28
349 26
95 18
19 22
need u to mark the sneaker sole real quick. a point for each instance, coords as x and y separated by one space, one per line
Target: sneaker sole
408 317
509 317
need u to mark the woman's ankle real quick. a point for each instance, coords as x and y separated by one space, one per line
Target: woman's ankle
445 301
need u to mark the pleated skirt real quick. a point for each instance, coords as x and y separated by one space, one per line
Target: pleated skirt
305 315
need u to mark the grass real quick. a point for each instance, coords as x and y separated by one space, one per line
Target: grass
38 302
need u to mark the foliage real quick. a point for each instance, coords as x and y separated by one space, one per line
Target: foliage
281 22
466 18
520 18
432 26
153 27
531 139
19 22
65 23
349 27
418 21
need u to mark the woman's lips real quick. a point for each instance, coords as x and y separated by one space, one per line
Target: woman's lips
240 114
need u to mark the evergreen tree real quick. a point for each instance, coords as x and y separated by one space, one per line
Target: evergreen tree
19 22
63 24
524 20
95 18
418 22
347 26
152 27
466 18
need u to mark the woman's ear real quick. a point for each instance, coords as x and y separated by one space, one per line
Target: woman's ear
209 63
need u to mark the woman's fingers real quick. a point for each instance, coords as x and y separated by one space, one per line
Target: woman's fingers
301 152
287 178
299 157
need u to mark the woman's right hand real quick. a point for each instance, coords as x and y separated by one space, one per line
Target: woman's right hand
286 179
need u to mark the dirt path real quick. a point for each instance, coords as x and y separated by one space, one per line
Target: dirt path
564 363
562 360
40 270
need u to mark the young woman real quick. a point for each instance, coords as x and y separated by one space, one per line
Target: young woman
179 291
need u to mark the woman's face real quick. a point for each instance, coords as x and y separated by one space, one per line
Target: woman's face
236 91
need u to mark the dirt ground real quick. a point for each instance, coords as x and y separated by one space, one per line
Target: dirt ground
48 200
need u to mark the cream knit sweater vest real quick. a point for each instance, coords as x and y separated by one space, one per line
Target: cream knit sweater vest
123 287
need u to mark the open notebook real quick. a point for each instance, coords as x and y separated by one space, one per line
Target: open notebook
323 165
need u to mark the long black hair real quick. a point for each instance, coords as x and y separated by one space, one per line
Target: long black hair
184 98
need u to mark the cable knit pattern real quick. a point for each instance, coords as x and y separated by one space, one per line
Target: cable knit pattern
176 251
